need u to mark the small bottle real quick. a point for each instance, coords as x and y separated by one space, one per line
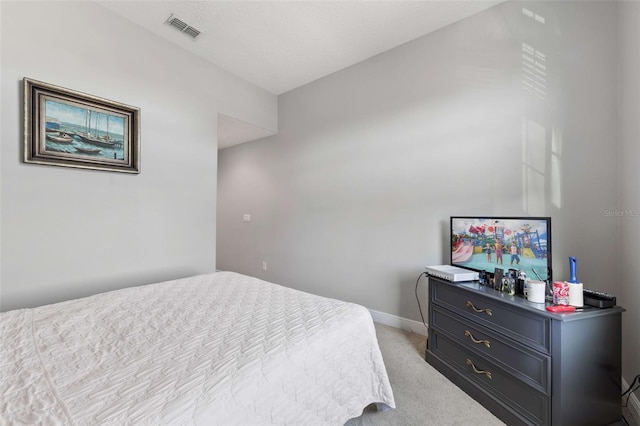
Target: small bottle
505 285
522 277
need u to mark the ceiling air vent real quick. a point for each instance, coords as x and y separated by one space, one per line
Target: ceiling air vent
179 24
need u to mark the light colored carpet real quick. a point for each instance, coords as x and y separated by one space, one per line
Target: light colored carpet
423 395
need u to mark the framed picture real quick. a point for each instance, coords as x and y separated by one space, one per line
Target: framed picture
63 127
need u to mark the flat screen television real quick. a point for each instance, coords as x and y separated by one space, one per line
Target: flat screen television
485 243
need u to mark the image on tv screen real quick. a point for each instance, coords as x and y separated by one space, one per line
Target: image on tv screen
507 243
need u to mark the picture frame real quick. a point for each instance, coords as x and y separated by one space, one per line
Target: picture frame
64 127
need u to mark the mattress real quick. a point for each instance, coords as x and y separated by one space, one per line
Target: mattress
220 348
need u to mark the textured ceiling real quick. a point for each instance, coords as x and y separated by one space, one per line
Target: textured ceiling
281 45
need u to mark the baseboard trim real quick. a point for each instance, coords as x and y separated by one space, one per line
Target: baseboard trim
399 322
634 402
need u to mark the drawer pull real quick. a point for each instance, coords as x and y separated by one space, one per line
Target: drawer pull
485 310
468 334
475 370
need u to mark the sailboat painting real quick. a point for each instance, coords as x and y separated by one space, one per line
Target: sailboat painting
68 128
93 132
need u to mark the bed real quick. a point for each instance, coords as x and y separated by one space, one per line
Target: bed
220 348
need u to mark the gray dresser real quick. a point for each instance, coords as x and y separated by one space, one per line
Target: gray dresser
524 364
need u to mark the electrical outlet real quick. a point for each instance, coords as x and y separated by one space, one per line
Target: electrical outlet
246 218
264 265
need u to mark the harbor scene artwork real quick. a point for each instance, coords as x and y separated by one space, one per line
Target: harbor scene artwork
64 127
82 131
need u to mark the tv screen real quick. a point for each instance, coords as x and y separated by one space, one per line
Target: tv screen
486 243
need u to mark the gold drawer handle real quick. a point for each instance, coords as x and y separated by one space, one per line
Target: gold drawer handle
485 310
475 370
468 334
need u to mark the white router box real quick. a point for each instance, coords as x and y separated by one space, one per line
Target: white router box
452 273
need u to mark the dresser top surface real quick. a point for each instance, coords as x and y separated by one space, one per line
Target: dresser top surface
520 302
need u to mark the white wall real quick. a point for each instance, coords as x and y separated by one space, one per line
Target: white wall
67 233
629 295
352 198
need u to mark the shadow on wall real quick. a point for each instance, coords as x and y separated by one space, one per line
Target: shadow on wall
541 148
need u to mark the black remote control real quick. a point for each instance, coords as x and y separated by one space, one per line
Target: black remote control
598 299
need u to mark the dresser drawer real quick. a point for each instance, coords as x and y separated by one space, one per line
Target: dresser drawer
522 362
529 403
527 328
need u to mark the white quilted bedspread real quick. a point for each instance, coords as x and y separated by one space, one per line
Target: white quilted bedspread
215 349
